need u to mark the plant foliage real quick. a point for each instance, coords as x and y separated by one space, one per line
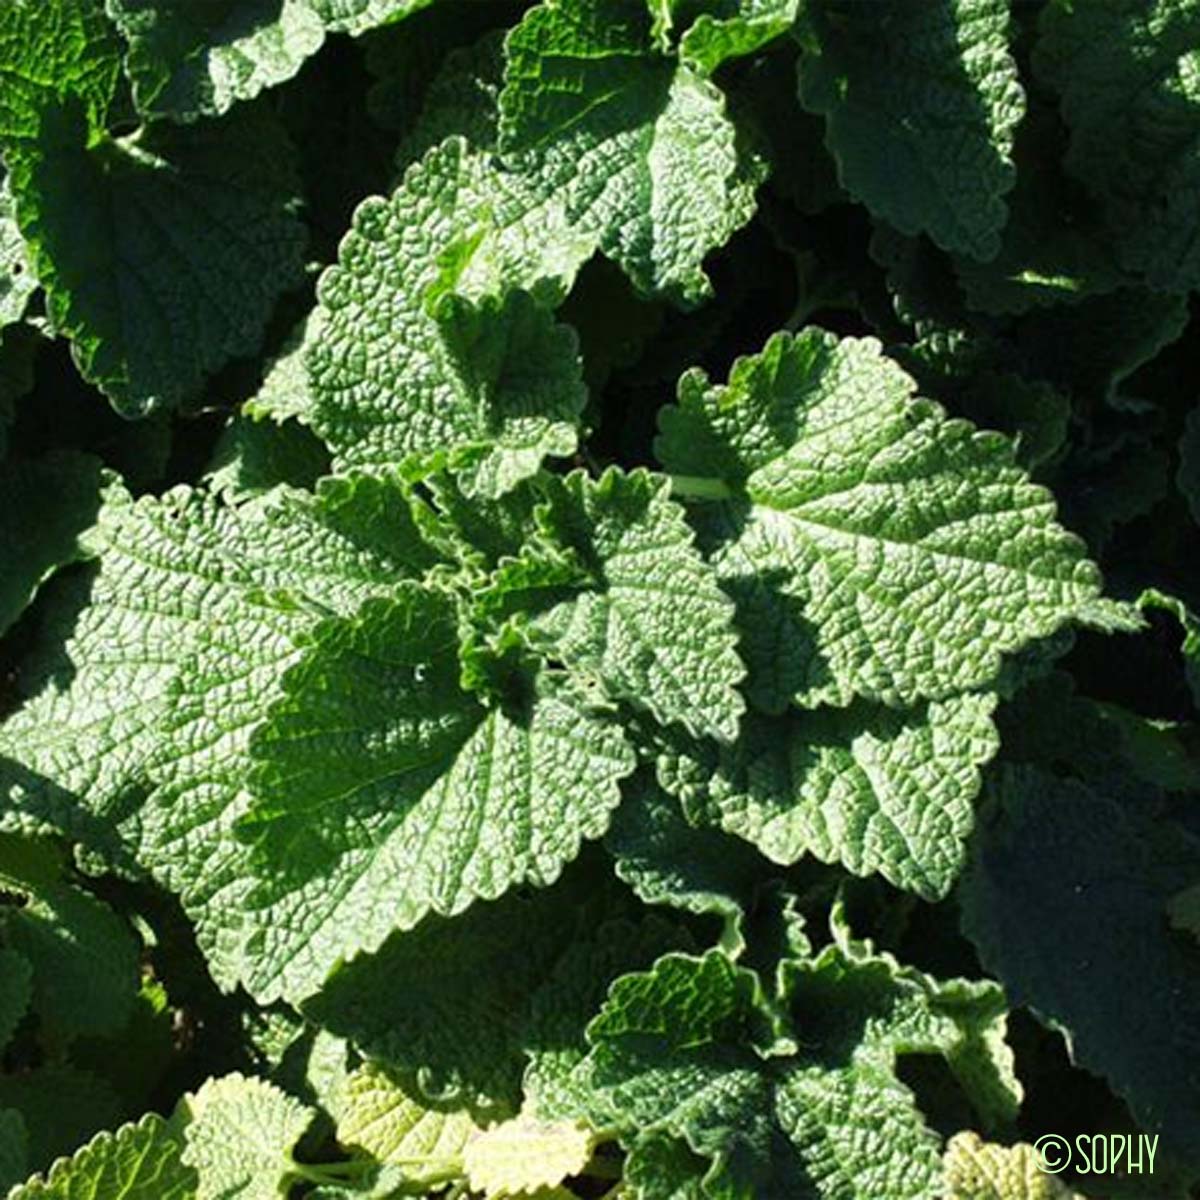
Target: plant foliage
599 597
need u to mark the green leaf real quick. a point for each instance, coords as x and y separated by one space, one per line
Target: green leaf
555 1084
667 860
733 28
489 388
385 792
17 280
526 1156
674 1053
868 787
84 957
357 16
161 682
255 454
162 253
654 628
631 138
238 1134
16 991
1125 72
378 1115
874 547
1106 871
187 61
920 104
55 52
138 1162
46 504
979 1170
446 1005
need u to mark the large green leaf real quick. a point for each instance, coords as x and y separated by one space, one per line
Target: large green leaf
920 104
187 60
677 1051
633 139
384 792
874 547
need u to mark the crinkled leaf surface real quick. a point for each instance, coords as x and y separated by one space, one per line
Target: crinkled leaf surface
640 144
45 504
238 1134
654 627
733 28
491 388
979 1170
1094 877
187 60
391 793
526 1156
874 789
874 547
673 1052
138 1162
920 104
377 1114
163 680
1128 75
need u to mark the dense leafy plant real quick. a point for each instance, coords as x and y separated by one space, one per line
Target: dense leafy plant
554 640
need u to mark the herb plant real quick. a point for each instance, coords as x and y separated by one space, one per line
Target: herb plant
598 598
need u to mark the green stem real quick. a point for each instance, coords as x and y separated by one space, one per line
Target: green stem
699 487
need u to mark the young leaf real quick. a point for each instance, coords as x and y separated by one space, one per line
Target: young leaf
654 628
378 1115
979 1170
920 104
874 546
526 1156
238 1135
